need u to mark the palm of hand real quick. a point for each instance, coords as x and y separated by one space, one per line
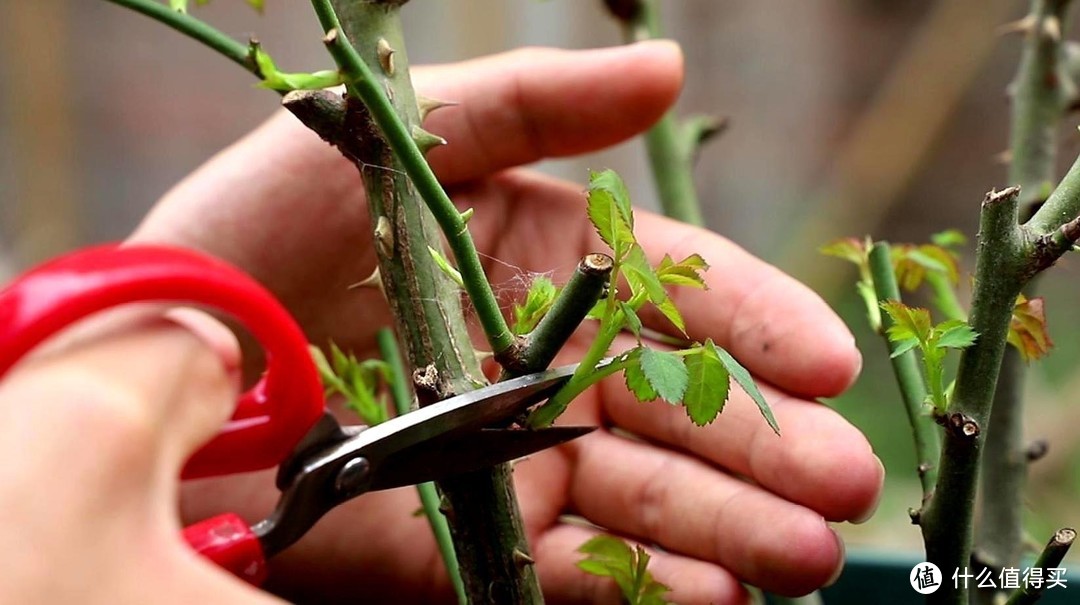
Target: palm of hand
302 228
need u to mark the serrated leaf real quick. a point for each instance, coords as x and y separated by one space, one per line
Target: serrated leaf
903 346
708 386
744 380
1028 329
642 277
610 180
638 384
686 272
633 322
848 248
908 322
671 312
666 372
538 301
955 334
607 548
611 557
613 222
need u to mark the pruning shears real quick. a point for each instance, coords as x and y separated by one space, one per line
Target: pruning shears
282 420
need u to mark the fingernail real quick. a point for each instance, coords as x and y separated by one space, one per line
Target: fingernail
843 557
866 516
214 334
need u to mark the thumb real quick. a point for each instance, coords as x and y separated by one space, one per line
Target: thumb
147 388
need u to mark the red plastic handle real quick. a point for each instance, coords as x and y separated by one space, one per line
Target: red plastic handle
269 419
229 542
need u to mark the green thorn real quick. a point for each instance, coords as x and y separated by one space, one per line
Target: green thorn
425 140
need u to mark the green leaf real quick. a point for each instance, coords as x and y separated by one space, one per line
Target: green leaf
537 303
903 346
686 272
609 211
743 378
611 557
638 384
633 322
641 276
672 314
950 238
445 266
955 334
708 386
610 180
908 322
848 248
666 372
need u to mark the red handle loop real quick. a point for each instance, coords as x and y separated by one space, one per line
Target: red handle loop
269 419
229 542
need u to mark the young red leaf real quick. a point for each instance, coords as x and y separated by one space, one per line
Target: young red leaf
1028 331
848 248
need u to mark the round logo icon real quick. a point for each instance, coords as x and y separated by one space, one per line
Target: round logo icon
925 578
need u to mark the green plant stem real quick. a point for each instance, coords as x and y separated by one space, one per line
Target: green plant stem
429 497
480 507
671 144
1001 266
362 83
1041 92
190 26
908 376
1049 558
588 283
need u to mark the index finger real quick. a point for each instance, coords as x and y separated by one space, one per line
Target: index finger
525 105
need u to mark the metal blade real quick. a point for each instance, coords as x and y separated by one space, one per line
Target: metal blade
455 455
483 408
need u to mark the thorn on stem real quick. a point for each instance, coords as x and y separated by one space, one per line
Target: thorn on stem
1051 28
426 105
384 237
386 56
915 515
522 559
1020 26
372 281
425 140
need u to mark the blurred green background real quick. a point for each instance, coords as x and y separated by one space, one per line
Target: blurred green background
848 117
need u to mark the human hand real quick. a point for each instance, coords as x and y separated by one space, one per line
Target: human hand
290 210
93 432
